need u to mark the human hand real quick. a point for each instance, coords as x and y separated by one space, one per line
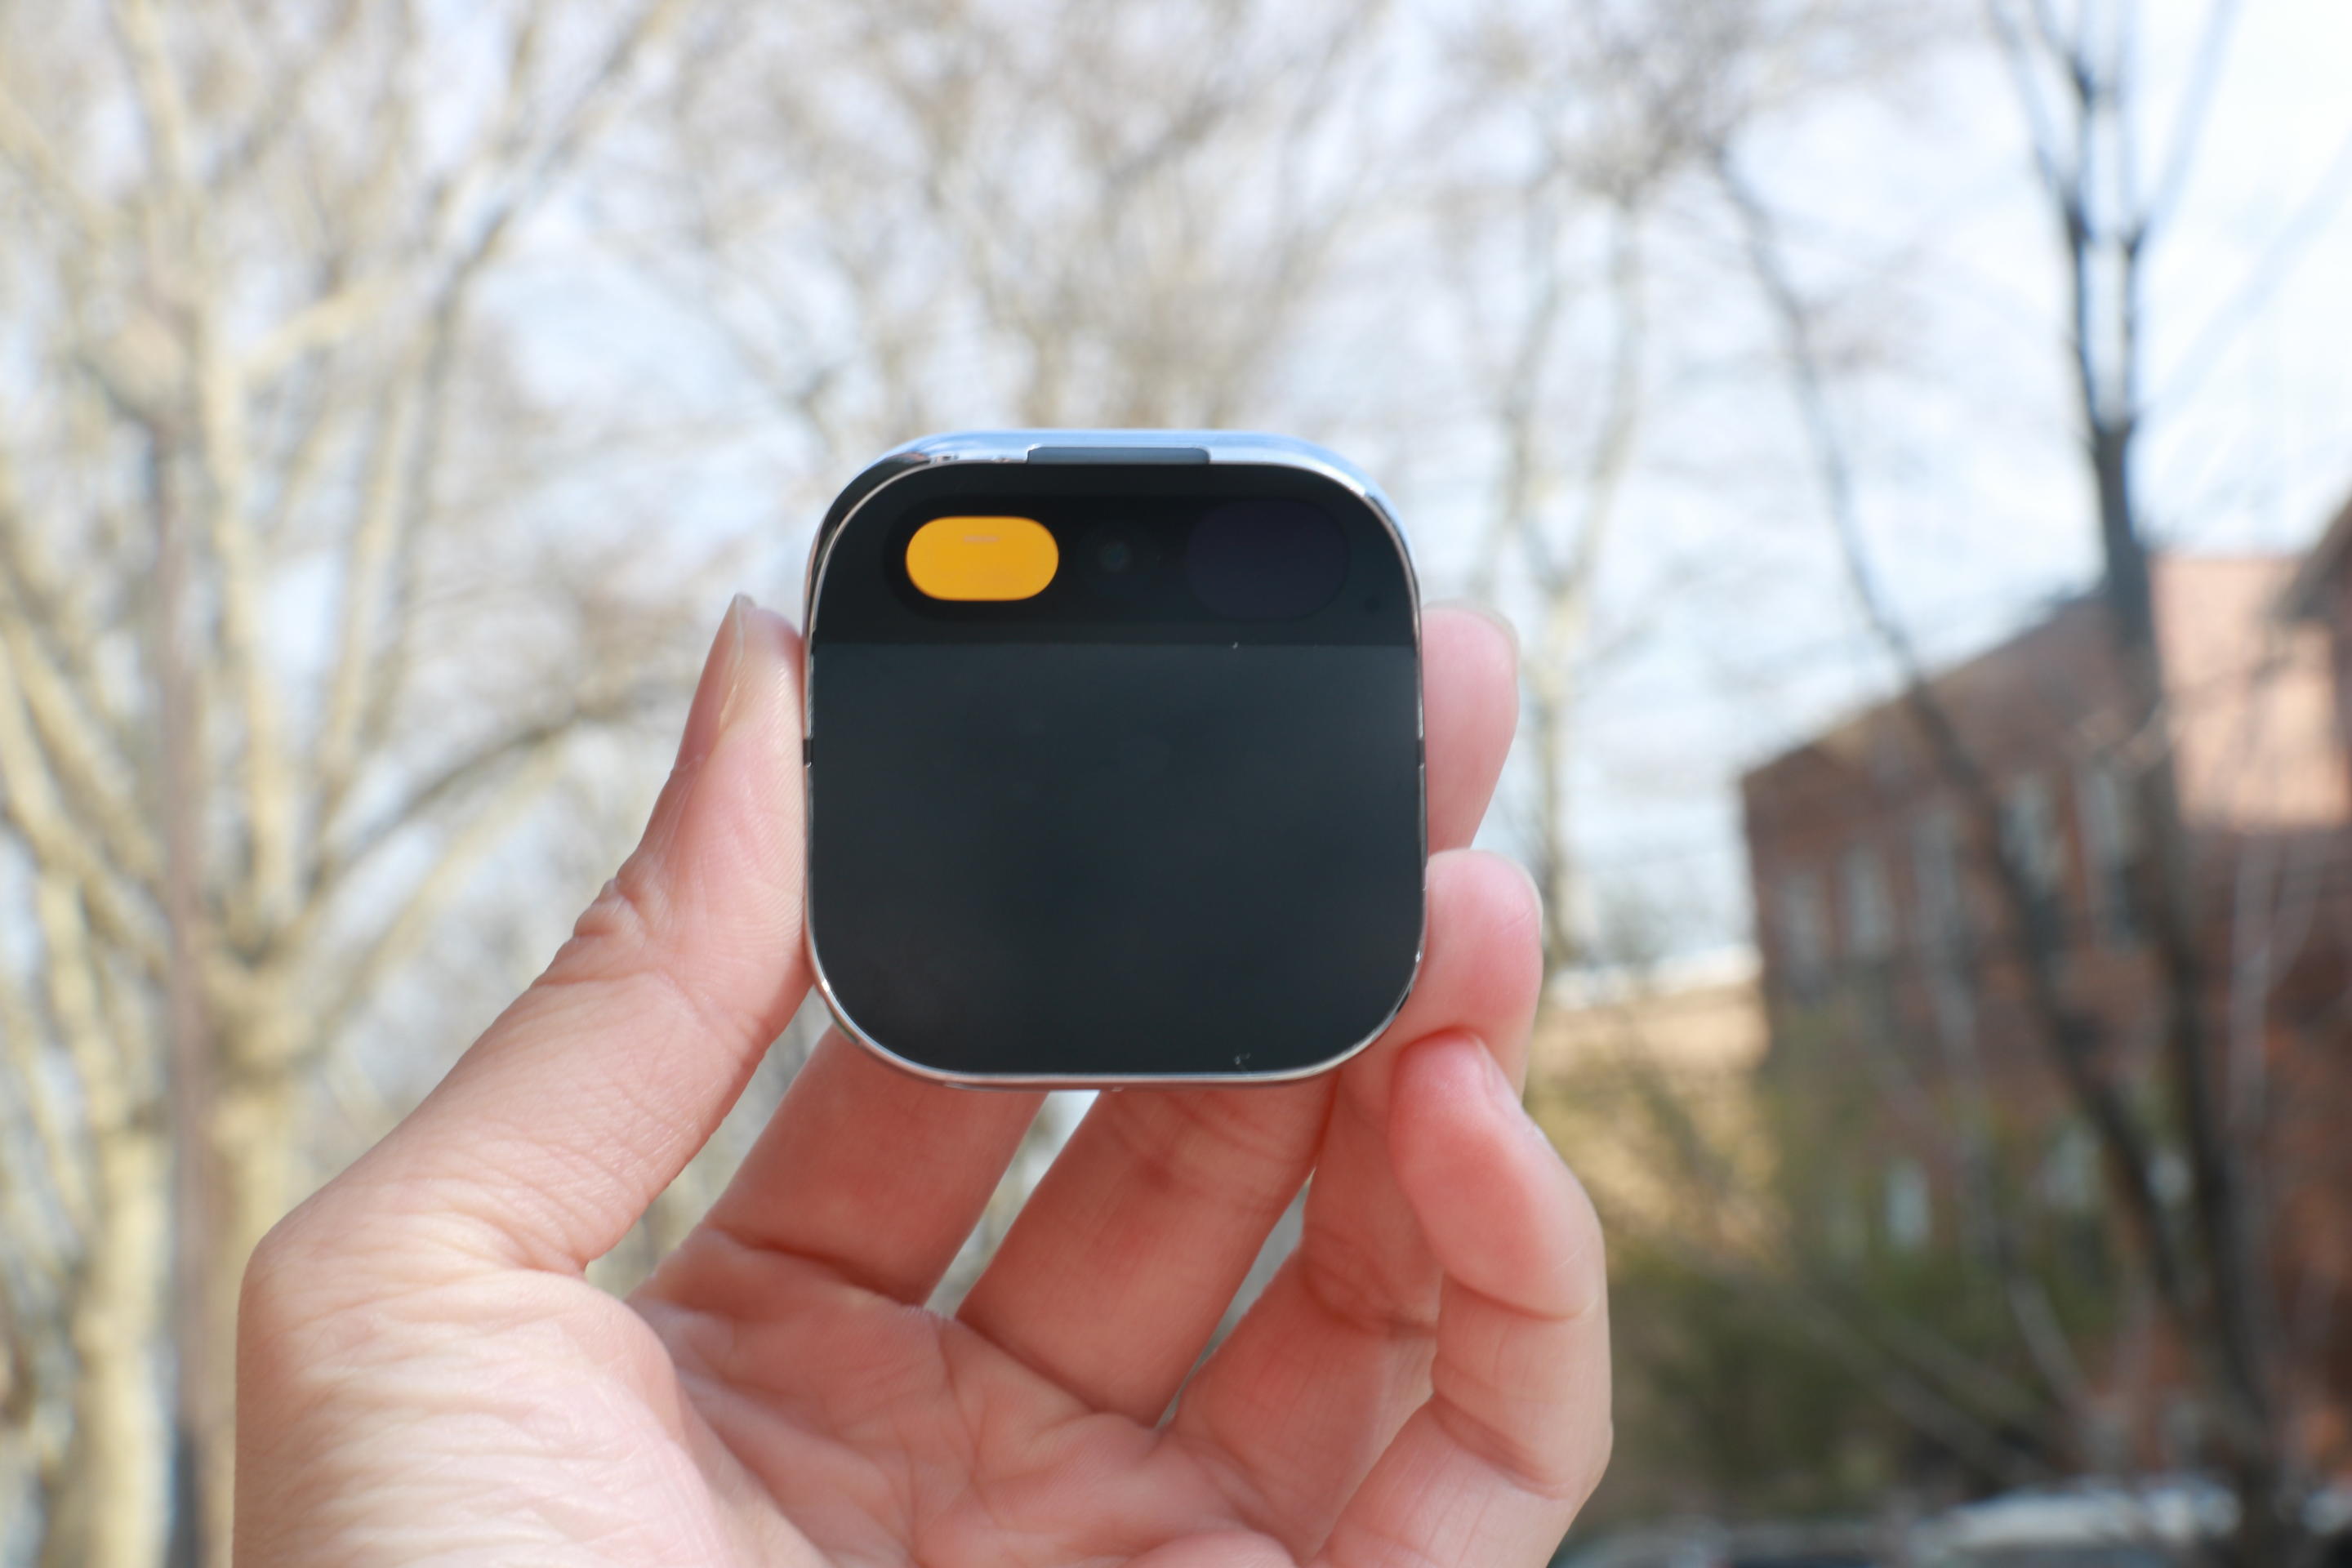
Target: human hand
423 1373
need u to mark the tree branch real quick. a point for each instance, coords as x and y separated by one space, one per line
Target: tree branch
2069 1038
2206 69
415 918
338 862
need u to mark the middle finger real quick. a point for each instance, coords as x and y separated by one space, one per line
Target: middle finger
1115 1276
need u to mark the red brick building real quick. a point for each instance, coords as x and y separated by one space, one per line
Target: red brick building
1889 955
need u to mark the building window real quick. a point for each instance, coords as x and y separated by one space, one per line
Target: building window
2069 1170
2170 1178
2109 842
1870 942
1935 868
2030 843
2070 1186
1943 925
1910 1216
1869 910
1803 932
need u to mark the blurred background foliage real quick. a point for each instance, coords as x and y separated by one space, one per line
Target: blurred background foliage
391 393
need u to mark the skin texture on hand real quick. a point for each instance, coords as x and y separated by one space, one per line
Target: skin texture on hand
425 1374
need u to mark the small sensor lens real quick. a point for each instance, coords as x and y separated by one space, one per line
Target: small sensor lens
1122 561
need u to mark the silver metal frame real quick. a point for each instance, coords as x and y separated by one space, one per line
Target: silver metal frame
1224 447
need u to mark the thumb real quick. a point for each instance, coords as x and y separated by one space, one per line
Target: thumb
571 1113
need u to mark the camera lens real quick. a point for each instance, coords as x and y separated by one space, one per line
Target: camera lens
1115 556
1267 560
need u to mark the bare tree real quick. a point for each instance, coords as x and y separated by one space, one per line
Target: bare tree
2112 207
1597 122
287 646
1072 215
2076 74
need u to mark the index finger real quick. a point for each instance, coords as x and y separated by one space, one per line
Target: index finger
577 1107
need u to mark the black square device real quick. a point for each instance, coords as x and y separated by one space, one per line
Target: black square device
1114 759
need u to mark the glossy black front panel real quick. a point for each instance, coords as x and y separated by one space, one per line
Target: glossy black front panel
1160 824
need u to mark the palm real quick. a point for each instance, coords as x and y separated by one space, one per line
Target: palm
425 1372
885 1436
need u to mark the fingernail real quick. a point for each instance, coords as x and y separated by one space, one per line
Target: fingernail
1488 613
1496 1080
1492 1079
1498 1083
715 693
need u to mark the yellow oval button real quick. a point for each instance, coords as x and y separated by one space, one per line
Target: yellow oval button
983 558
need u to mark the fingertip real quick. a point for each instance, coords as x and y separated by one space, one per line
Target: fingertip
1446 1088
1497 901
1470 704
763 697
1479 626
750 680
705 714
1500 1209
783 638
1485 929
1496 878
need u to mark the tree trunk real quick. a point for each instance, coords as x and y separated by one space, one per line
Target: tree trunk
255 1147
2231 1288
109 1511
